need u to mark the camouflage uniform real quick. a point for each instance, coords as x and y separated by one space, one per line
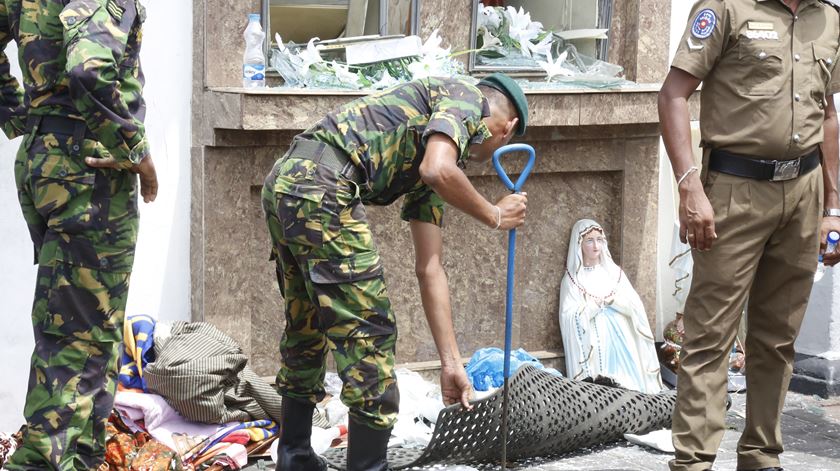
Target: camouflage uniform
82 78
327 264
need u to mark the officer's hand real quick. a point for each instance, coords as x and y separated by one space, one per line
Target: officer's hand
455 386
513 208
146 170
829 223
697 218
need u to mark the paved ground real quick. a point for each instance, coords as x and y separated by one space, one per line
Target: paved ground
810 426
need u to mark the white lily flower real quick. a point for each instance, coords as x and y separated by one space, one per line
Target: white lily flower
521 28
310 56
385 82
488 40
432 46
343 74
427 66
542 48
488 17
554 68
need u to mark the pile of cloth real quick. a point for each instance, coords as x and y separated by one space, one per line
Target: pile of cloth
8 444
187 399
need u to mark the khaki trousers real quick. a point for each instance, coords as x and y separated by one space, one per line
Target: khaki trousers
767 246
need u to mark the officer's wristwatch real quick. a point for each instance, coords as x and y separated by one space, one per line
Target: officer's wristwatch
831 212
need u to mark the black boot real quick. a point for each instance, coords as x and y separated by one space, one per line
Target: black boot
367 448
294 452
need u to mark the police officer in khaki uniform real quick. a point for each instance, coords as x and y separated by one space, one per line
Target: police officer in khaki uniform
758 212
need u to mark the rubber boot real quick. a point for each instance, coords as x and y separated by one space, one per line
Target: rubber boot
367 448
294 452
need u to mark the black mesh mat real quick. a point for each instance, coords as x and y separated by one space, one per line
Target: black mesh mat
548 416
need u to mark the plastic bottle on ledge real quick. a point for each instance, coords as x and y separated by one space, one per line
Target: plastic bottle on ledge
831 242
253 61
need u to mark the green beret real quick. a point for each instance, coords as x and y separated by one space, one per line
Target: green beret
510 88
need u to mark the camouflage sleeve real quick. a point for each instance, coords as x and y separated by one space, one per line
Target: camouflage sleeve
12 111
423 205
457 112
96 36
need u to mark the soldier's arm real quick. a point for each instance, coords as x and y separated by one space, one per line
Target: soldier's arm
434 293
830 166
440 171
12 111
94 38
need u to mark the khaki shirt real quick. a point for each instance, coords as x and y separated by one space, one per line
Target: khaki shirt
766 73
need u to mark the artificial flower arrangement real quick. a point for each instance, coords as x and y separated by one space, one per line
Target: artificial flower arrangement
508 37
303 66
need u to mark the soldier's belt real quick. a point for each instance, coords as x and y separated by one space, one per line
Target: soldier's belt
323 154
59 125
761 169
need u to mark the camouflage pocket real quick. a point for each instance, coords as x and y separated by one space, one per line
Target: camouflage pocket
351 296
86 303
64 199
356 267
299 212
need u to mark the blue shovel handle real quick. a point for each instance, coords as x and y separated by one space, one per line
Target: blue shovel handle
511 234
497 156
511 254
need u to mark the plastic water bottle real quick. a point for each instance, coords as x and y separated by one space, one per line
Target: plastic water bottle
253 62
831 242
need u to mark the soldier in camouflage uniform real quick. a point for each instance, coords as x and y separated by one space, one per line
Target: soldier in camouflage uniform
82 120
410 140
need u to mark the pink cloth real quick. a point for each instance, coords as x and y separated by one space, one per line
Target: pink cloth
239 436
231 455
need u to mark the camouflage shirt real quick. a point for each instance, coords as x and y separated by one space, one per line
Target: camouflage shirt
385 135
80 59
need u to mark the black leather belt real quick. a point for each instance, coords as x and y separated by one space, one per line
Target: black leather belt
324 154
760 169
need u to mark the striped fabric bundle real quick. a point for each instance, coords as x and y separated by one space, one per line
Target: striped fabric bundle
203 374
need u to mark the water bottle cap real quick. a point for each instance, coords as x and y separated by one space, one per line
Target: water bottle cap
833 236
254 17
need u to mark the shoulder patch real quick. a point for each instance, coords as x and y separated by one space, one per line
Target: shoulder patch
704 24
115 9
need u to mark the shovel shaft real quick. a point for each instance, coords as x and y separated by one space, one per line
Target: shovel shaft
514 187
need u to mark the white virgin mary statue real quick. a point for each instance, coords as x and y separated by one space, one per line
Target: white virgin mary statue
603 323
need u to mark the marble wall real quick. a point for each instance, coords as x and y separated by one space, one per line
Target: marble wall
597 158
612 179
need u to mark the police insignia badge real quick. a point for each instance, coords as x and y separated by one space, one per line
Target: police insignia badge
704 24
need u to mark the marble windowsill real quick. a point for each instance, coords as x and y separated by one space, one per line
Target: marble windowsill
274 109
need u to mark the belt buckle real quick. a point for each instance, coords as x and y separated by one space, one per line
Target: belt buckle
786 170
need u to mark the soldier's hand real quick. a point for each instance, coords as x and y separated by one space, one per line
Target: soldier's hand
697 218
829 223
145 169
455 386
512 209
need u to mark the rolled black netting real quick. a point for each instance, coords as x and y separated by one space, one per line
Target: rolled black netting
548 416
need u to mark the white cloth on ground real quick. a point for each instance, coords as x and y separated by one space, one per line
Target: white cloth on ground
159 418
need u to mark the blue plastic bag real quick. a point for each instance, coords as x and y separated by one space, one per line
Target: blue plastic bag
486 367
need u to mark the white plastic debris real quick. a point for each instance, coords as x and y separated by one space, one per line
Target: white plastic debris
658 440
332 384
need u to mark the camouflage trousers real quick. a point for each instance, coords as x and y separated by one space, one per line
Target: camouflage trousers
83 223
331 279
